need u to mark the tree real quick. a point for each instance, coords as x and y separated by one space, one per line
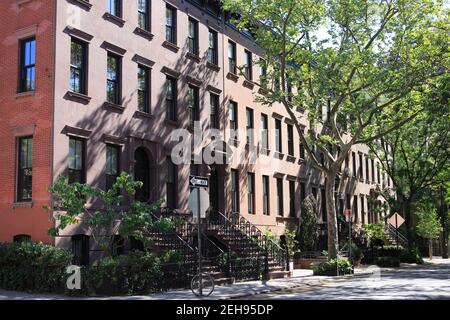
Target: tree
354 58
107 214
309 230
417 157
429 226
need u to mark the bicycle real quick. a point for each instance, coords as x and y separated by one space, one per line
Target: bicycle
202 285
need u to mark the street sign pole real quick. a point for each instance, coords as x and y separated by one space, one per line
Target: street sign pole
199 245
396 230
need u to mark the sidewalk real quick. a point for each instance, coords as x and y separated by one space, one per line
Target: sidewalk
301 277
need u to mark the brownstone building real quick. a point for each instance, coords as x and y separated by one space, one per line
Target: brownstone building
91 88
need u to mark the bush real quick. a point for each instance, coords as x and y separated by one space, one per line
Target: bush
388 262
330 267
390 251
412 256
34 267
136 273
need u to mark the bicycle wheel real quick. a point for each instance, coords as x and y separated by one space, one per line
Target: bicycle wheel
202 285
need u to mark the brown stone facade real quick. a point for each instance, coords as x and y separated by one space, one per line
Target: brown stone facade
98 122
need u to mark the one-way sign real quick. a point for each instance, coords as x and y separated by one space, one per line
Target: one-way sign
196 182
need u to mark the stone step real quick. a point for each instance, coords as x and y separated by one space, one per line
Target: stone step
279 274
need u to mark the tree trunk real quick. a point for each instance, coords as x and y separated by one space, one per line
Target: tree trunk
430 249
331 216
408 223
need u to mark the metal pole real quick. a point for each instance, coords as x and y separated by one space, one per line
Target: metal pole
396 229
199 245
350 235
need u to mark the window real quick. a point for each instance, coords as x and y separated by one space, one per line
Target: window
292 212
249 125
171 24
231 57
78 58
372 164
143 89
265 189
314 192
114 7
212 47
378 173
171 183
113 79
233 115
367 169
354 164
112 165
25 169
193 105
264 132
322 158
27 65
262 73
214 104
118 245
290 131
193 36
171 93
361 172
143 14
251 192
355 209
363 216
302 151
302 192
278 136
280 196
21 238
248 65
289 89
80 249
234 191
323 206
76 160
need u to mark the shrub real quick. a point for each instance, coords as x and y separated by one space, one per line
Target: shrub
34 267
412 256
390 251
388 262
136 273
329 268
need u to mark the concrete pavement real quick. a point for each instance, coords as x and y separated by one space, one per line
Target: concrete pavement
430 281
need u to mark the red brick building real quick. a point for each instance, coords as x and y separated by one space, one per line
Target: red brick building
27 27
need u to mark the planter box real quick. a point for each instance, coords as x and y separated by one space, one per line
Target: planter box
308 263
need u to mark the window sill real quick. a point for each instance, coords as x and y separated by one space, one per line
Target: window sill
232 77
77 97
27 204
278 155
25 94
301 161
290 158
212 66
113 107
264 151
171 46
144 33
194 57
114 19
361 180
173 123
142 114
248 84
282 218
82 4
262 91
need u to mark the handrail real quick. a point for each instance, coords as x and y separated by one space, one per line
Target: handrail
394 232
176 234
